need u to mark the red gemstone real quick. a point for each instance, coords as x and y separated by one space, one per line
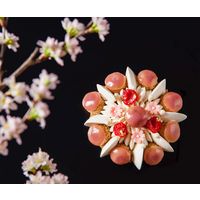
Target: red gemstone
154 124
120 129
129 97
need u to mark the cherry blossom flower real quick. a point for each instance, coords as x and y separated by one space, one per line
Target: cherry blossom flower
51 48
10 40
154 107
40 89
38 161
100 26
6 103
38 112
40 169
59 179
12 127
18 90
38 178
138 135
72 47
3 148
73 28
116 111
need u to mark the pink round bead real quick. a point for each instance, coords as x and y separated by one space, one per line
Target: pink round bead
115 81
148 79
120 155
137 116
92 101
172 101
97 134
153 154
171 131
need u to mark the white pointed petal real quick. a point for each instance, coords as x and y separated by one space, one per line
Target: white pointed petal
97 119
148 137
131 144
142 94
158 90
121 140
161 142
179 117
138 155
106 94
109 146
131 79
127 139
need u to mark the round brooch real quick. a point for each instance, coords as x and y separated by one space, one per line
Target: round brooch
133 118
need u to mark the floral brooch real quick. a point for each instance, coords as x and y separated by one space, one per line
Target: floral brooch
133 118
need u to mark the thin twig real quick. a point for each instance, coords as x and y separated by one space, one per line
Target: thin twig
3 47
30 61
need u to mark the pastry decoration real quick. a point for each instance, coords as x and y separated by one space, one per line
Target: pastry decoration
133 118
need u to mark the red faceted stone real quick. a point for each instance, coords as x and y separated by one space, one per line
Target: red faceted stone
154 124
130 97
120 129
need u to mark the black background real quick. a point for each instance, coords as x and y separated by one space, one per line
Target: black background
169 46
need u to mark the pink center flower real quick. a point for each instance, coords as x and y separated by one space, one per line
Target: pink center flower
138 136
153 107
117 111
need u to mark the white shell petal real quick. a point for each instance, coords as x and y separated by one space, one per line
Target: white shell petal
148 137
131 144
127 139
179 117
121 140
97 119
131 79
158 90
138 155
109 146
106 94
161 142
142 94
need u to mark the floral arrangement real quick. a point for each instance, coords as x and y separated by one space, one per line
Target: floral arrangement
14 93
40 169
133 118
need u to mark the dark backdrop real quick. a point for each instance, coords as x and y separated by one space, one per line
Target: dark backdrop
169 46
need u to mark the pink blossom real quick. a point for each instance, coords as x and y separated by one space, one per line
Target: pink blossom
138 135
101 26
116 111
72 47
51 48
153 107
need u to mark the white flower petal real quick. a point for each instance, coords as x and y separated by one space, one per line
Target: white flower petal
158 91
138 155
97 119
109 146
161 142
106 94
179 117
131 79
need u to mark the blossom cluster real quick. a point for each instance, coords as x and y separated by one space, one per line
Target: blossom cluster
75 31
34 95
40 169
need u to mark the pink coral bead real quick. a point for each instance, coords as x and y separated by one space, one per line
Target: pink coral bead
172 102
120 155
171 131
153 154
115 81
137 116
97 134
92 101
148 79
